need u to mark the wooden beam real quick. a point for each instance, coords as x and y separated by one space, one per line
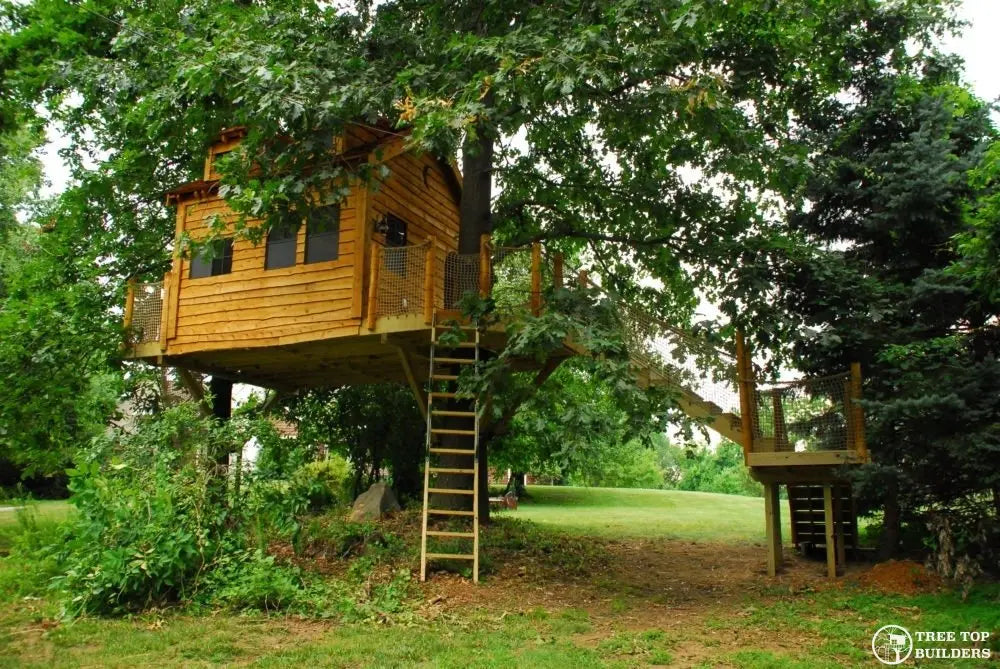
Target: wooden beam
411 379
802 458
129 304
373 286
361 242
746 395
772 515
429 282
831 551
485 266
557 270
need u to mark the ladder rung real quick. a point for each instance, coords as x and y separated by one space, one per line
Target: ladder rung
448 395
436 533
461 344
454 451
451 491
449 512
441 430
444 377
450 470
451 556
456 361
461 414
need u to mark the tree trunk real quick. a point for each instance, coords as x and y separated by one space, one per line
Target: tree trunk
516 484
221 391
889 544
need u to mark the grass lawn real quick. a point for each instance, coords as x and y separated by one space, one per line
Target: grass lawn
651 514
43 513
633 578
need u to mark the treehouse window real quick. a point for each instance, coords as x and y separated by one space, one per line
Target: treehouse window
323 234
213 260
395 237
281 246
215 161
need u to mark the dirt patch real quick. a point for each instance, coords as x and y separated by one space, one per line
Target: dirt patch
901 577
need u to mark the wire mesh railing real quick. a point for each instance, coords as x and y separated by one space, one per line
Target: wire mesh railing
146 312
401 279
812 414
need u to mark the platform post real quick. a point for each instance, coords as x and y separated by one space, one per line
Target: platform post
536 279
745 382
129 304
485 267
429 282
557 270
373 286
772 513
831 548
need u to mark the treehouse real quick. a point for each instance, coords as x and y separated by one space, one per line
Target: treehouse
358 291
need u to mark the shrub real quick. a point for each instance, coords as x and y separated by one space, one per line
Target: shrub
326 482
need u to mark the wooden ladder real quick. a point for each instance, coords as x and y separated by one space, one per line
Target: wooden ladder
469 434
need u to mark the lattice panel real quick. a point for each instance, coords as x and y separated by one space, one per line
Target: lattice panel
805 415
147 312
401 279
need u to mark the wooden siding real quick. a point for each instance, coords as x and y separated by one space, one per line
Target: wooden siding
252 306
428 207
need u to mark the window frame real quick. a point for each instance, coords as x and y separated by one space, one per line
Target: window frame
287 227
313 236
219 263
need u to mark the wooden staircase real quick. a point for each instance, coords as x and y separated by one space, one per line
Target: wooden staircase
806 506
460 425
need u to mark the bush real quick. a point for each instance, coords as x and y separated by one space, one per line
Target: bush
326 483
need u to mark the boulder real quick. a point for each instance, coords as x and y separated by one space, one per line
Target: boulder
374 503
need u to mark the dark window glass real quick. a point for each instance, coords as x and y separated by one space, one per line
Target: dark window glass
214 259
395 237
395 234
281 246
323 234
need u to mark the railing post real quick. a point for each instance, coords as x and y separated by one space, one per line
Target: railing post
485 266
536 278
745 381
857 416
557 270
373 285
429 282
129 304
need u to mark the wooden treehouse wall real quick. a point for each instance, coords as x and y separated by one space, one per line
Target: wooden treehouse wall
254 307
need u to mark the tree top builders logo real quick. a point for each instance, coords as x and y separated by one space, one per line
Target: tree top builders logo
893 644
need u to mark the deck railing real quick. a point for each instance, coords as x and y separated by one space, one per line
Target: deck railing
144 312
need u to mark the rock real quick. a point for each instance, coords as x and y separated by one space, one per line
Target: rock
374 503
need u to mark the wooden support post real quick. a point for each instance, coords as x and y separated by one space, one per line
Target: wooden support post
168 306
583 279
772 513
485 267
536 279
745 382
411 378
129 304
831 549
838 516
857 416
429 282
557 270
373 285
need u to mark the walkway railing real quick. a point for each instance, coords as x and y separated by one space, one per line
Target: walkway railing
144 311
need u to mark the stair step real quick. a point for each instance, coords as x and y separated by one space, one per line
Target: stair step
444 377
450 470
455 361
449 512
437 533
451 556
460 414
451 491
441 430
453 451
